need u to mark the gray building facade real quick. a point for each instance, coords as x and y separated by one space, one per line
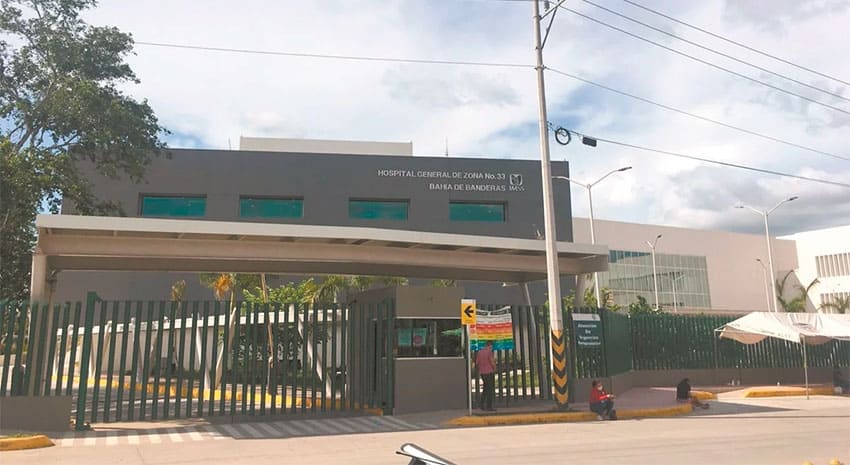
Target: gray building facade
486 197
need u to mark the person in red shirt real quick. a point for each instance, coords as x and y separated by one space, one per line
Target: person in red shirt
602 403
486 364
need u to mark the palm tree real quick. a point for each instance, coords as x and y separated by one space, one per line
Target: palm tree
840 305
796 304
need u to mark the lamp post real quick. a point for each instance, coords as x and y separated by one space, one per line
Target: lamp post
765 214
673 280
654 274
766 283
589 188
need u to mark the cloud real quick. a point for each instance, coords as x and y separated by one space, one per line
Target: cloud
209 99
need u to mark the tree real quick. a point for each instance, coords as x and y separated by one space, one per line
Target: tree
840 305
796 304
178 290
641 307
61 107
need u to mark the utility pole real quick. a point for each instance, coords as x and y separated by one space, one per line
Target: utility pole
558 348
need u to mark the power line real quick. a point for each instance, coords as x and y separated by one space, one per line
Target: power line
739 44
336 57
696 116
490 64
708 63
713 162
725 55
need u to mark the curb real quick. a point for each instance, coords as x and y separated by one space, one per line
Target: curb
29 442
704 395
564 417
790 391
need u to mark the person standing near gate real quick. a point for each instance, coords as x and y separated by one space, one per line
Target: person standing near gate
486 364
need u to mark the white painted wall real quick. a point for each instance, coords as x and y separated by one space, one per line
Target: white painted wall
812 244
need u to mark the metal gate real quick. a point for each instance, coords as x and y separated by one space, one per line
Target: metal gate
127 361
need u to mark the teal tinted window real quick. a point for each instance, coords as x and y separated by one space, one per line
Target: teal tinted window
255 207
155 205
462 211
378 209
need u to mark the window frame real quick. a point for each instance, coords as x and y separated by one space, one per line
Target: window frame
503 204
271 197
144 196
405 202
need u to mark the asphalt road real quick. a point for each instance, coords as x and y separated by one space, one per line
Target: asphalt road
759 431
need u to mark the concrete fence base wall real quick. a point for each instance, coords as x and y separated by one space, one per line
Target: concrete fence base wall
36 414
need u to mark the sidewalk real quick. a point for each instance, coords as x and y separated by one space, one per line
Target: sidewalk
635 403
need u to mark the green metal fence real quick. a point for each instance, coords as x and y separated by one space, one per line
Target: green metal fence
665 341
125 361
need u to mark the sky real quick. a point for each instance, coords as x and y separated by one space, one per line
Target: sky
209 99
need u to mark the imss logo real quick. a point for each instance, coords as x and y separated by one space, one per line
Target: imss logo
515 182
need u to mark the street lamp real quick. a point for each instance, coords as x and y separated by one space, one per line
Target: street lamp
654 274
673 280
592 233
765 214
766 282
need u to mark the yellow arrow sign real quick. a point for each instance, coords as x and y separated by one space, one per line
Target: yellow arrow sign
467 311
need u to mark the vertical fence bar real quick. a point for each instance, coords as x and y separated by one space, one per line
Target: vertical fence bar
304 341
134 365
40 360
324 341
119 408
344 357
51 353
146 361
286 341
391 340
7 311
110 364
225 356
19 348
314 346
299 351
63 347
193 354
252 328
170 366
184 328
519 337
98 361
240 348
157 369
27 338
262 334
15 311
213 367
334 368
274 368
72 363
234 358
85 358
204 369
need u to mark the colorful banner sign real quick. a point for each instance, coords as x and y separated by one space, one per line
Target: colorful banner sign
492 325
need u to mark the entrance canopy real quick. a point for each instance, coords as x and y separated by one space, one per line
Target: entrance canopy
810 328
67 242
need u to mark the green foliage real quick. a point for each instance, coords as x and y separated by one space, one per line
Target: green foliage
796 304
841 305
178 290
61 107
642 307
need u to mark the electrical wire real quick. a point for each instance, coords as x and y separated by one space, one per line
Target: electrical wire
709 49
490 64
699 117
711 161
739 44
708 63
335 57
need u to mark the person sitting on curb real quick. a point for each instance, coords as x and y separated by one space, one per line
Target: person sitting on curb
683 394
601 403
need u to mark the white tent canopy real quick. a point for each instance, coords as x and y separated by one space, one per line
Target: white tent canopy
811 328
802 328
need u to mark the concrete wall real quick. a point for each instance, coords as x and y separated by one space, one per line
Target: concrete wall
428 384
36 414
735 280
823 242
